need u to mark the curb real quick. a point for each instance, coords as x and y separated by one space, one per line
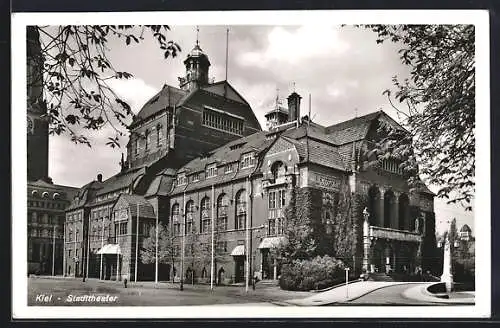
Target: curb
426 296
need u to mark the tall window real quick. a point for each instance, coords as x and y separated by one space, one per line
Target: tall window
276 203
176 220
148 139
136 146
189 216
222 203
223 121
241 209
278 170
159 135
205 224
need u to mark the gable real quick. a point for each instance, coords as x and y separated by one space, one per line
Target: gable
279 146
224 88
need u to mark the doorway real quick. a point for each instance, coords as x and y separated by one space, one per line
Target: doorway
239 270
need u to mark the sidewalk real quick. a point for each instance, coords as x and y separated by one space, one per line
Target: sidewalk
341 294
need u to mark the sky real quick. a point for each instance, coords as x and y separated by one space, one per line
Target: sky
343 69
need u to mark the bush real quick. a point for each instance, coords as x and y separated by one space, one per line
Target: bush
318 273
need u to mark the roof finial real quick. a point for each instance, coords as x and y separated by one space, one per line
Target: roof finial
293 84
197 31
277 98
355 112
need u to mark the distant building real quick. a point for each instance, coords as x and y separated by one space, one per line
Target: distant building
198 159
46 201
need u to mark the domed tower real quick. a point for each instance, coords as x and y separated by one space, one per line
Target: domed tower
197 65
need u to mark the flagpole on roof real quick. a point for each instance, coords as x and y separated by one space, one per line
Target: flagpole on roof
213 230
136 242
156 249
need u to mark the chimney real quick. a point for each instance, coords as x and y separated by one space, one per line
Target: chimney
293 106
99 177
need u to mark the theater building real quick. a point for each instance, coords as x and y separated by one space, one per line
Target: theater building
199 162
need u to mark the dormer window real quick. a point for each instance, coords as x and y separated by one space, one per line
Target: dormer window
211 171
248 160
229 168
196 177
181 179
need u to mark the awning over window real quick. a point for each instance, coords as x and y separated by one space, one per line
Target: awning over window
238 250
110 249
271 242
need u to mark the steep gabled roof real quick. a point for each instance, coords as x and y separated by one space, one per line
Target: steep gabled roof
230 92
120 181
146 210
168 96
351 130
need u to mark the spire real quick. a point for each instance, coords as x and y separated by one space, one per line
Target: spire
197 32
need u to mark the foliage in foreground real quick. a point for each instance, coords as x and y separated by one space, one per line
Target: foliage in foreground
73 66
436 105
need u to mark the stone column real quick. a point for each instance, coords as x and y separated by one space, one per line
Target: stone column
395 211
381 209
387 257
394 251
447 276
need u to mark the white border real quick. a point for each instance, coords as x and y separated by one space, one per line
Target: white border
479 18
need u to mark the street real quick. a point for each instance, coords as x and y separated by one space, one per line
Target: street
70 291
391 295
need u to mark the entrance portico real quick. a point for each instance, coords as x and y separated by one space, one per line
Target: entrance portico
390 250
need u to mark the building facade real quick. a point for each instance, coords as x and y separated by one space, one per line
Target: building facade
46 201
199 163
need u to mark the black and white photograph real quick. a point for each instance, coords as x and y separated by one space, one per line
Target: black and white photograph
251 164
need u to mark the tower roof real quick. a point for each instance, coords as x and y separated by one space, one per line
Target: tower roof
197 53
465 228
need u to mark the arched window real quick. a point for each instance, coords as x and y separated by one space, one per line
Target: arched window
147 139
176 220
404 212
375 217
389 203
205 215
241 209
222 203
278 171
45 194
189 216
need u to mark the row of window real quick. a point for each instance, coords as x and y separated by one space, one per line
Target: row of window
45 218
111 194
247 161
148 139
51 205
222 121
391 166
35 232
45 194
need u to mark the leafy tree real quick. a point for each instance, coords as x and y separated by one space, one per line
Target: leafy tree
72 66
300 243
437 107
165 246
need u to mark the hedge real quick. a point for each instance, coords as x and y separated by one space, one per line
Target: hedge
317 273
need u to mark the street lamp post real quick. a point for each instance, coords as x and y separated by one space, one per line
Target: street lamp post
346 282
